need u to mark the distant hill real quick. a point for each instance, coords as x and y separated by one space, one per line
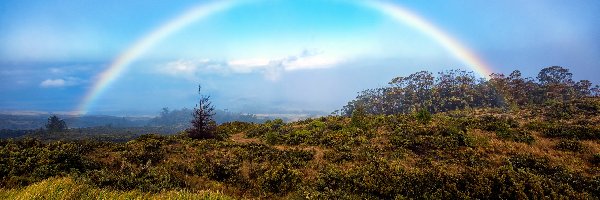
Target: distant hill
179 118
35 121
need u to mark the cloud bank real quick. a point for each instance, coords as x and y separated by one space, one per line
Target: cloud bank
269 67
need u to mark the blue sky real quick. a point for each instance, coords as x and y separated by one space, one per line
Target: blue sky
271 56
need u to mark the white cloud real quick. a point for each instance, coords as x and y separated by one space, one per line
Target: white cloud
53 83
270 68
60 82
191 68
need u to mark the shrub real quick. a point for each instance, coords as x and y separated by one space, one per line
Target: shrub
277 178
535 164
152 179
493 123
570 145
595 159
219 169
26 161
516 135
147 149
572 131
257 131
229 128
423 116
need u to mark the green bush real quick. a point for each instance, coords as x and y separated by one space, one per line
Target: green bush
570 145
229 128
278 178
423 116
145 149
148 179
219 169
516 135
493 123
26 161
575 131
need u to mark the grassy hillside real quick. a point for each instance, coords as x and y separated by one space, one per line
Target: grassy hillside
470 153
503 138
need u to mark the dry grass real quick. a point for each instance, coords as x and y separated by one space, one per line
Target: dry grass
241 138
499 150
67 188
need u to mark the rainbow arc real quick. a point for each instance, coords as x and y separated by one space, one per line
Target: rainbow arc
395 11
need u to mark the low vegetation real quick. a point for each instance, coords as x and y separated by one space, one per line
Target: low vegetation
68 188
547 150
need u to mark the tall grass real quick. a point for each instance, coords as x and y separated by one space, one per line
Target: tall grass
67 188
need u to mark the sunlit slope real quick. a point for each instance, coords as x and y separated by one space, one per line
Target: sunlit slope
472 153
67 188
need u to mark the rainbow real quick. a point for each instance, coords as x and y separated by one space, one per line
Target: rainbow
403 15
451 44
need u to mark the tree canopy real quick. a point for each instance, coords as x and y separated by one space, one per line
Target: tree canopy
56 124
459 89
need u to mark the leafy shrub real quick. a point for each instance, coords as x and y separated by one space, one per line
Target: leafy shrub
358 117
516 135
145 149
423 139
257 131
571 108
536 164
224 170
573 131
26 161
297 137
493 123
595 159
339 155
423 116
151 179
293 157
272 138
278 178
229 128
570 145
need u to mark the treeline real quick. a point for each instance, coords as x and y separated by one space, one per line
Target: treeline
459 89
30 122
181 118
177 120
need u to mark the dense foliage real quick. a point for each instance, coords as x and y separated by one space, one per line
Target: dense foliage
56 124
457 89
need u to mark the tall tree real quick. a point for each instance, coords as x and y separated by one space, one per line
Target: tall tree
557 83
56 124
203 124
